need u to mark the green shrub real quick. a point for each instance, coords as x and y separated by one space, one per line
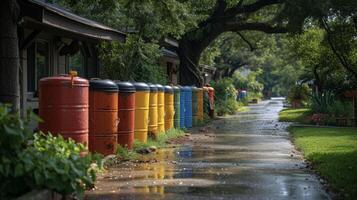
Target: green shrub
225 97
340 108
224 90
299 92
36 161
229 106
322 102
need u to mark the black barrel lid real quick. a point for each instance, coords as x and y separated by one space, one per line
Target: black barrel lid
103 85
160 88
125 86
168 89
153 87
140 86
176 89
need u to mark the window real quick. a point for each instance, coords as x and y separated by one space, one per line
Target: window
169 69
76 63
37 64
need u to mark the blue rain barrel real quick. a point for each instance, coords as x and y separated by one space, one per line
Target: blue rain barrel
182 107
188 106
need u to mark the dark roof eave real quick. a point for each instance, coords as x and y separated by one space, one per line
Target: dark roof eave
53 16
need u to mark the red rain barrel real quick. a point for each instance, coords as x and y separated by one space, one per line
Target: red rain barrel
103 116
211 101
126 114
63 107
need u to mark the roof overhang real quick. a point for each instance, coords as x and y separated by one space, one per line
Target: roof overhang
44 16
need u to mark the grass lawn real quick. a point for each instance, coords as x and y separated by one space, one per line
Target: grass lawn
333 153
295 115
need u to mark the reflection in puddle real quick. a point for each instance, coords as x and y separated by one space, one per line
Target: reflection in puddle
247 156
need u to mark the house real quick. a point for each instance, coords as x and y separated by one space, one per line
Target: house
170 61
54 41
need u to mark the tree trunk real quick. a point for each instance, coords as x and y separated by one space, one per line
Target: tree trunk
223 19
9 54
189 61
191 47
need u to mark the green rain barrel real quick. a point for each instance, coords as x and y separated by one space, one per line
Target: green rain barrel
176 106
194 106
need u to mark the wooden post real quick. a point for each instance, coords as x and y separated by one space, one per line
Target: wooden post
9 54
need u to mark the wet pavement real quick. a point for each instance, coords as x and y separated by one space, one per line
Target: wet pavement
246 156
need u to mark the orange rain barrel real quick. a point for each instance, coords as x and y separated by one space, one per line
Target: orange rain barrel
169 107
160 109
126 114
63 107
153 111
211 101
142 96
103 116
200 104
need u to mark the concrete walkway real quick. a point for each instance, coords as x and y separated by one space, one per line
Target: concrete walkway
247 156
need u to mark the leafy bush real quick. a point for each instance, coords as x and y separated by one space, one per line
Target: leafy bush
134 60
224 89
322 102
340 108
249 83
299 93
229 106
225 97
36 161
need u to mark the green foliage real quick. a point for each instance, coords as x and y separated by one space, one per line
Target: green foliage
249 83
224 89
229 106
36 161
148 22
159 142
124 153
322 102
333 153
299 92
225 97
134 60
327 103
341 109
161 139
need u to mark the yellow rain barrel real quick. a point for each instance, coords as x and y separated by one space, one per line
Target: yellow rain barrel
169 107
142 96
153 111
160 109
200 104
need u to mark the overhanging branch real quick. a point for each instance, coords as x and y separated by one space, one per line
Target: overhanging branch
249 8
263 27
246 41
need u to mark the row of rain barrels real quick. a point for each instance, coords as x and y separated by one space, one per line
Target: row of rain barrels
103 113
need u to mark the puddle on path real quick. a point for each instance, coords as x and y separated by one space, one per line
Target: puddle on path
248 157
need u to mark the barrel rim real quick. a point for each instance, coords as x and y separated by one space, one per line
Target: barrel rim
153 88
125 86
160 87
141 86
168 89
104 85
